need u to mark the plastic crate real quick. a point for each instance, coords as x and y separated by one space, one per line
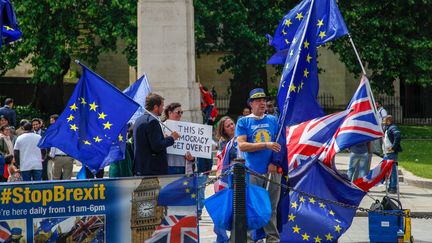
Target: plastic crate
384 228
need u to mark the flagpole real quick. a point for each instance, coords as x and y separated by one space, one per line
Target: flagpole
155 117
292 77
357 54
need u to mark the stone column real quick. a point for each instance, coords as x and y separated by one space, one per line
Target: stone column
166 52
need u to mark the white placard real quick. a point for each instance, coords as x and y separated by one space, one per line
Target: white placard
195 138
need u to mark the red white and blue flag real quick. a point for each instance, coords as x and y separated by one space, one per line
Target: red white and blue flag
87 227
376 175
360 125
176 229
307 140
223 163
4 231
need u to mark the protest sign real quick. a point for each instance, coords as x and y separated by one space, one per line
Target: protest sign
195 138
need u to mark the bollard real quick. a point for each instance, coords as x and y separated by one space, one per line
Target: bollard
239 223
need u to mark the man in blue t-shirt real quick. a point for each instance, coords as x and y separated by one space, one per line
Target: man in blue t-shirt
256 134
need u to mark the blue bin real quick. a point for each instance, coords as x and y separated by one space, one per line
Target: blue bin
384 228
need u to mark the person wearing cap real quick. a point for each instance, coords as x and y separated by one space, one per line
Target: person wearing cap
8 112
256 134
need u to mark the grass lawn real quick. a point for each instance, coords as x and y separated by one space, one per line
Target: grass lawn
416 157
416 132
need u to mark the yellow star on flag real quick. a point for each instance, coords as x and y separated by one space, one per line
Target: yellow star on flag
288 22
322 205
73 107
317 239
329 237
306 44
302 199
102 115
322 34
338 228
293 88
93 106
320 22
193 195
291 53
185 183
87 142
70 118
107 125
187 190
294 205
291 217
287 41
311 200
331 212
8 27
97 139
73 127
120 138
294 40
308 58
305 236
283 32
296 229
83 101
305 73
299 16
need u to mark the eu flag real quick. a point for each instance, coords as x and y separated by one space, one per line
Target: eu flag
298 89
181 192
309 219
90 128
138 91
9 27
329 22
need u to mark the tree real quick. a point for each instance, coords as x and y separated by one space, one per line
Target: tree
238 28
54 32
393 38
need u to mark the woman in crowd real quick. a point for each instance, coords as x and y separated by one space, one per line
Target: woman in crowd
226 154
14 172
178 164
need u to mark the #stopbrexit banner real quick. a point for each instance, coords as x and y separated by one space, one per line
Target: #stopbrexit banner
144 209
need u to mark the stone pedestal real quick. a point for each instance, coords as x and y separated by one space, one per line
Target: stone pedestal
166 52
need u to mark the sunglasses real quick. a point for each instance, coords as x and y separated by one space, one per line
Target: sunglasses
179 112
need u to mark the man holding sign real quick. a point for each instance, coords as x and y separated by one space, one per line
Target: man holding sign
149 141
256 134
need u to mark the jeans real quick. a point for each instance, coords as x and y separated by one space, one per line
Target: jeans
394 173
32 175
175 170
358 166
207 112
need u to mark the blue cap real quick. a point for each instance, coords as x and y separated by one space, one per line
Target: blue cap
16 231
257 93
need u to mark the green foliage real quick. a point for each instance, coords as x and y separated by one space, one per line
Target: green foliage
55 31
393 38
416 157
28 112
238 28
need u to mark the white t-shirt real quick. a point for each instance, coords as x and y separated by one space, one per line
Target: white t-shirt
29 153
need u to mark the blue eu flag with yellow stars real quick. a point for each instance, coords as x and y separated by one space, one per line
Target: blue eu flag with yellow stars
329 22
309 219
298 89
181 192
9 31
90 128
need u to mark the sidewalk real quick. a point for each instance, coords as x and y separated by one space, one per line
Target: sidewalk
418 199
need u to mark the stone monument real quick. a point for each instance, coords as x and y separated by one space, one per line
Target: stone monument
166 52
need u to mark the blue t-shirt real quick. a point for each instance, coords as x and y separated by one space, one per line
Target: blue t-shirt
262 130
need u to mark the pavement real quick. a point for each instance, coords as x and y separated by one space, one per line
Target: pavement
415 194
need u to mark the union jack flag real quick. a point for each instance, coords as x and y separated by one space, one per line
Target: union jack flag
382 170
307 140
176 229
88 226
4 231
223 163
360 125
